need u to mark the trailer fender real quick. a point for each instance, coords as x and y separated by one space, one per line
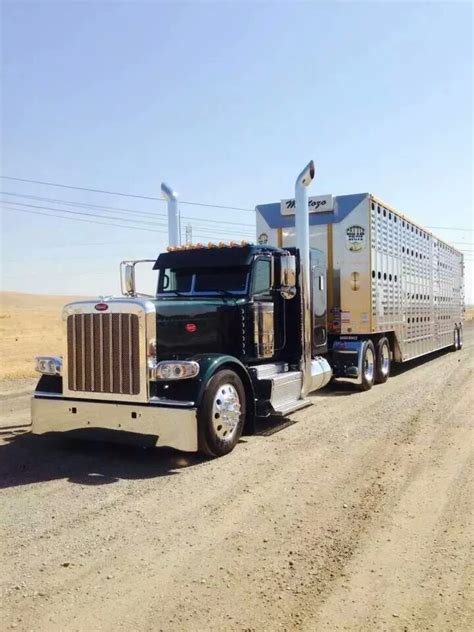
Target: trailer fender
347 358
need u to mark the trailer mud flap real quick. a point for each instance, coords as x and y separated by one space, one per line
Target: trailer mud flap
347 359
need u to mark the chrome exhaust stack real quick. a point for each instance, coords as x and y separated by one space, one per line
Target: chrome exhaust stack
302 242
174 233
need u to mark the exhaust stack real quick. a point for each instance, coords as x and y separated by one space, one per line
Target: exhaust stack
302 242
174 233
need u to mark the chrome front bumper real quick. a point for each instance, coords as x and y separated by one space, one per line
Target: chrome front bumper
175 427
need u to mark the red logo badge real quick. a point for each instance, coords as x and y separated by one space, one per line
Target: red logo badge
101 307
190 328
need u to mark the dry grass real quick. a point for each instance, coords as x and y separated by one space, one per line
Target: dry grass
30 325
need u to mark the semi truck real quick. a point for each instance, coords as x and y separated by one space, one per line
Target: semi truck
334 288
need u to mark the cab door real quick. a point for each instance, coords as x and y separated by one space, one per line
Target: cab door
263 307
318 302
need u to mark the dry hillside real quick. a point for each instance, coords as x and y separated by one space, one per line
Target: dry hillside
30 325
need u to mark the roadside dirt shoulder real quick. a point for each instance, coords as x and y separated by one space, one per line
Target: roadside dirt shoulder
356 516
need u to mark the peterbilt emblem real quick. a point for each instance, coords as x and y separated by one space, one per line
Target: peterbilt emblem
101 307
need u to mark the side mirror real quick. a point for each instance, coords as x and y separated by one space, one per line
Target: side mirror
127 277
288 276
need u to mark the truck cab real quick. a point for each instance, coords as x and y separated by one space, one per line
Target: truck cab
233 333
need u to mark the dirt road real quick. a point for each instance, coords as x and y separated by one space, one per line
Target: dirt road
357 516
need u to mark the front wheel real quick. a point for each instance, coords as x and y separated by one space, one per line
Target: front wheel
221 416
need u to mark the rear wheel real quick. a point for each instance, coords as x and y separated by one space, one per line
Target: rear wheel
221 416
368 365
382 358
456 339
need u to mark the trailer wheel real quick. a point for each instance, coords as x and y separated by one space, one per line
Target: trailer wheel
221 416
382 355
457 345
368 365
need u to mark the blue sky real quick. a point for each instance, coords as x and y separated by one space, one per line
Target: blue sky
226 101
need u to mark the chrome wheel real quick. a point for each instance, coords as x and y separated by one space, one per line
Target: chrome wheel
369 362
226 410
385 360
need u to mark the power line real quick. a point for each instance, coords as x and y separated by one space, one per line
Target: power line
208 232
204 229
87 221
118 208
121 194
122 219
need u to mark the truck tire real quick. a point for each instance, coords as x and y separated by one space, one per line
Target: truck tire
382 361
457 343
221 415
456 339
368 366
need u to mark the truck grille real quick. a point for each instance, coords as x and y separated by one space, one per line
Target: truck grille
103 353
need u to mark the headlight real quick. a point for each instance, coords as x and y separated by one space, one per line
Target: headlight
176 370
49 365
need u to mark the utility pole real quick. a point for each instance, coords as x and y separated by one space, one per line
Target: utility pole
188 235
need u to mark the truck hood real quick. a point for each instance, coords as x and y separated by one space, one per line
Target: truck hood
187 327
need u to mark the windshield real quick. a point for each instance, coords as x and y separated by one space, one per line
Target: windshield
203 281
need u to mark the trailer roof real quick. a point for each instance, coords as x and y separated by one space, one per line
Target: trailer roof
343 205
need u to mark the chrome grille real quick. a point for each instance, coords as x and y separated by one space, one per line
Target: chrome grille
103 353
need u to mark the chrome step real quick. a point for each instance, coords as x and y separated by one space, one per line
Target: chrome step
286 392
291 407
267 371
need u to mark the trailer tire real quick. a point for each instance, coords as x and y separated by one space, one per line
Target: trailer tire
221 415
368 366
382 361
457 345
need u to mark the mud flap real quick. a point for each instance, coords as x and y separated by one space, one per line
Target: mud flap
347 359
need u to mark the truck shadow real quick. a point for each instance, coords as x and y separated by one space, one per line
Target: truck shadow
26 459
341 387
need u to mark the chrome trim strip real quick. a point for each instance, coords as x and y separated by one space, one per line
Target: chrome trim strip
83 352
130 368
120 353
73 360
111 358
92 356
101 349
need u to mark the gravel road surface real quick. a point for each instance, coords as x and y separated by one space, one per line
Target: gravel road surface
354 515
